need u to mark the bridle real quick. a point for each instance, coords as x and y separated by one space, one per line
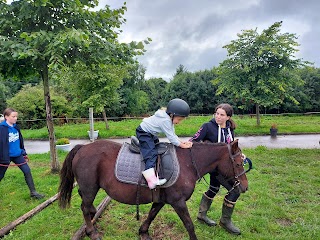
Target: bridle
236 177
232 158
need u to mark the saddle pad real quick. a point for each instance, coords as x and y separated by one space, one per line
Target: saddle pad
129 166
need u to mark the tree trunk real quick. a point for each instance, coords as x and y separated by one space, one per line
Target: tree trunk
258 114
105 118
53 153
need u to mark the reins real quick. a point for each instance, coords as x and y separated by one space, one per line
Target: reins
16 165
195 166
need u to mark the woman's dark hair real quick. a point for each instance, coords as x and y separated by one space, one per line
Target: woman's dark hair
229 111
8 111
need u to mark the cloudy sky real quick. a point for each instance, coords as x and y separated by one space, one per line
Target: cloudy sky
193 32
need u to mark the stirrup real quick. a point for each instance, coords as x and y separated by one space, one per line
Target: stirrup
161 181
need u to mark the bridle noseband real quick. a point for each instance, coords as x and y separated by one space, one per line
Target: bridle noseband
232 157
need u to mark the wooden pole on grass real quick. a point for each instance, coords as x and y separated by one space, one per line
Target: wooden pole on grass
5 230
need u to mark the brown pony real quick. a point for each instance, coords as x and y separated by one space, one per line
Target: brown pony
92 166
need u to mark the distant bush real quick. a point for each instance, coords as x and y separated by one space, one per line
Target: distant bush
29 102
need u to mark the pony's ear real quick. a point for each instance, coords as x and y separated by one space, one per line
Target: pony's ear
235 145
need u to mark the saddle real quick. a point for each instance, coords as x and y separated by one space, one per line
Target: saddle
135 146
130 164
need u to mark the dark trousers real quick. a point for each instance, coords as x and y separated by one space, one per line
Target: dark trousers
17 160
215 187
147 147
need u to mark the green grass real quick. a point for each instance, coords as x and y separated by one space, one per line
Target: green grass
282 203
246 125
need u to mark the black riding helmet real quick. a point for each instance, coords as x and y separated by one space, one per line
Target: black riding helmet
178 107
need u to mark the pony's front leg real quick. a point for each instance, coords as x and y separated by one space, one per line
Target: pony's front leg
182 210
143 230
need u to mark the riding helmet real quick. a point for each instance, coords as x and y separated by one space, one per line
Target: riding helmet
178 107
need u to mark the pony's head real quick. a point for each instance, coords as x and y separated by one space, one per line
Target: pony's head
233 169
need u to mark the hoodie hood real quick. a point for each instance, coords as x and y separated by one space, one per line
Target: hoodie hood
161 114
228 124
4 123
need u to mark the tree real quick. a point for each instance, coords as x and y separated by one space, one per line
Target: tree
133 99
258 67
29 102
195 88
180 69
92 86
38 35
311 89
155 89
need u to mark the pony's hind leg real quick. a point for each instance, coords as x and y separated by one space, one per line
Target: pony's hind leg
92 210
88 210
143 230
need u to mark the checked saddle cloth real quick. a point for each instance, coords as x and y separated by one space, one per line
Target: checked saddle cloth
129 166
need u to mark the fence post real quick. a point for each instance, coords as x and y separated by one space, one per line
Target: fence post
91 124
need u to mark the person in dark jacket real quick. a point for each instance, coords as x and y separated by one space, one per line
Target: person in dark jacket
12 149
219 129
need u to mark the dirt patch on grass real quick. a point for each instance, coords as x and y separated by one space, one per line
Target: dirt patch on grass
284 222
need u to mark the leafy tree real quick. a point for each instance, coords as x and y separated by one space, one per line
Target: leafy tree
258 67
195 88
155 89
180 69
38 35
138 101
311 89
9 87
92 86
29 102
4 91
134 100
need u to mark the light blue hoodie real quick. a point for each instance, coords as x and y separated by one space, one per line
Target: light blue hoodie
160 122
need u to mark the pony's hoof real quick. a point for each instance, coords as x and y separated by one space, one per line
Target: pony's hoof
94 235
145 236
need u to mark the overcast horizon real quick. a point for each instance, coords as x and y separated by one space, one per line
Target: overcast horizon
192 33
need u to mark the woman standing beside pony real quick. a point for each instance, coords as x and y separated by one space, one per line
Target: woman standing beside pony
219 129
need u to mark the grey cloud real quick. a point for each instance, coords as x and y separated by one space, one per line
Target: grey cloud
193 33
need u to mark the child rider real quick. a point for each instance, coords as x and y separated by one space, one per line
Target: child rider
161 122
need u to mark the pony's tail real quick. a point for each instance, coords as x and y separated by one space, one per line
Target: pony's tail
67 179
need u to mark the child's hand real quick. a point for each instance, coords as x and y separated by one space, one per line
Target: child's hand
185 144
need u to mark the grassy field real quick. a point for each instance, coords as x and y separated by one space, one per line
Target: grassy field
246 125
282 203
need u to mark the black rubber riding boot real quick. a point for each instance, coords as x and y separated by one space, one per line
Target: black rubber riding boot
225 221
203 209
33 192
